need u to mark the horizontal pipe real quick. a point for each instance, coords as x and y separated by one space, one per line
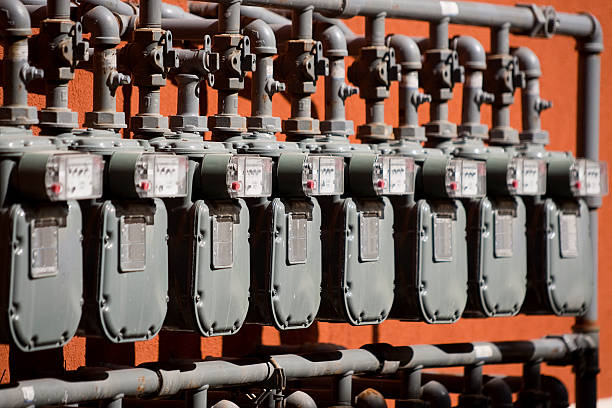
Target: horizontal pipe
521 20
192 29
151 380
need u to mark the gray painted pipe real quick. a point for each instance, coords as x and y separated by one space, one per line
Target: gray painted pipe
116 6
499 392
531 103
209 10
149 15
473 57
58 9
14 19
105 36
193 29
172 11
300 399
436 394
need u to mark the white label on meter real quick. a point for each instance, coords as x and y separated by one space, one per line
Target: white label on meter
469 178
327 175
80 172
253 176
397 175
531 176
166 175
593 178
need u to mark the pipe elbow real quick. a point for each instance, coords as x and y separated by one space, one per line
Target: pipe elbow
500 393
594 42
559 397
436 394
299 399
370 398
103 26
263 40
172 11
333 39
529 62
472 54
14 19
407 51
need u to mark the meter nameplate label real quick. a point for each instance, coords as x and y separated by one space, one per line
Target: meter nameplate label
593 178
397 175
531 176
253 176
568 235
222 242
43 248
469 178
327 175
503 235
80 173
132 244
166 175
368 237
443 238
297 238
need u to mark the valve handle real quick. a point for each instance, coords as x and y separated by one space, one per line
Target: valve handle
247 60
321 64
393 68
483 97
170 56
80 47
542 104
346 91
420 98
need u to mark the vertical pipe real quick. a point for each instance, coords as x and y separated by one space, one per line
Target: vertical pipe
188 95
301 27
59 9
472 375
375 29
438 34
334 83
500 43
344 389
113 403
408 89
229 17
104 64
150 14
199 398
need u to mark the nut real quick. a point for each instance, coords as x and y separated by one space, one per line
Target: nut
105 120
264 124
189 123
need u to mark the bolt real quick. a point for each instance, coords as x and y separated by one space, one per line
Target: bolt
347 91
29 73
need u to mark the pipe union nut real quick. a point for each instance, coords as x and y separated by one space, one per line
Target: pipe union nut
18 115
105 120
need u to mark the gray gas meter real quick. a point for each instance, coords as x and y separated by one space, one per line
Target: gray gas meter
209 236
358 255
497 236
560 250
430 242
125 237
286 237
42 259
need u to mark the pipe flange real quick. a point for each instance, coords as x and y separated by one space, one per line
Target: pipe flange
410 132
476 130
337 127
143 124
301 127
188 123
505 136
535 136
54 119
18 115
546 21
263 124
227 124
375 131
105 120
442 129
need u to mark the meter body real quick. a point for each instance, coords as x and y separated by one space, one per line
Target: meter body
42 260
496 229
285 237
125 237
208 229
357 235
430 243
560 250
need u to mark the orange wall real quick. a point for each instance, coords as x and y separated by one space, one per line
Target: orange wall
559 62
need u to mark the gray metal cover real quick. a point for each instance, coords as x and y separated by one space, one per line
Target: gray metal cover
131 295
286 292
219 295
355 289
561 269
42 305
432 283
497 246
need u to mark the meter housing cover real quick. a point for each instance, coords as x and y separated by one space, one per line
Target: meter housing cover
127 287
358 260
42 279
286 262
560 259
497 256
209 270
431 260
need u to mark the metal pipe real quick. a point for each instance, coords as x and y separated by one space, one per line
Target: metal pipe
149 14
116 6
229 16
193 29
16 73
104 29
336 88
209 10
473 58
499 392
531 103
436 395
58 9
263 85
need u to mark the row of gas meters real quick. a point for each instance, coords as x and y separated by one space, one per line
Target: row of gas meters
119 238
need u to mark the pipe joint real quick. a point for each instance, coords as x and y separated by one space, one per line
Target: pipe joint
471 52
103 26
14 19
407 52
334 41
545 21
593 44
263 40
